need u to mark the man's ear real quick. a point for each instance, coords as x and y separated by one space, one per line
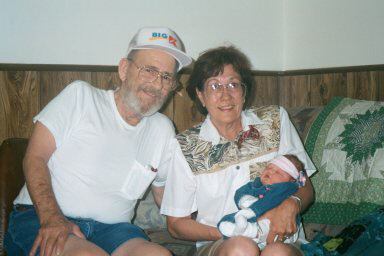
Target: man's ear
200 95
122 69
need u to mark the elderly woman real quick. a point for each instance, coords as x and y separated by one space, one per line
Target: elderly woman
231 147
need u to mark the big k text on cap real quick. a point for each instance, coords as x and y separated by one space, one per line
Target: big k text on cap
160 38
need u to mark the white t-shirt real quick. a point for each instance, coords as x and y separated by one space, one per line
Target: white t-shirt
212 193
101 164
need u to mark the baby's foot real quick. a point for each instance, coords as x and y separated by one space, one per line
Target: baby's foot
227 228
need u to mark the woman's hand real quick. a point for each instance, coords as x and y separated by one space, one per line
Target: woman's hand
283 220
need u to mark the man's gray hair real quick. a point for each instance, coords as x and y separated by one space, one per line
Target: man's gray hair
132 54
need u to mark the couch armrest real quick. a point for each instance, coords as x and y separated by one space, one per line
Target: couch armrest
11 178
303 118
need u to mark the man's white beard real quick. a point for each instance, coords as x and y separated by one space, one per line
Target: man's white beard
133 102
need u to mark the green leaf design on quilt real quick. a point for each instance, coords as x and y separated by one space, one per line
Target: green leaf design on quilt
364 135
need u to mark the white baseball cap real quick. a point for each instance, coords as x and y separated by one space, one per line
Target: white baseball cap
160 38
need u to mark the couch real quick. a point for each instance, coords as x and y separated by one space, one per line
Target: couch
12 151
329 137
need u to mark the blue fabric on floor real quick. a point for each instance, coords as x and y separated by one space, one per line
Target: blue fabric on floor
364 236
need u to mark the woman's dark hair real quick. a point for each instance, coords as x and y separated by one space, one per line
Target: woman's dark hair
211 63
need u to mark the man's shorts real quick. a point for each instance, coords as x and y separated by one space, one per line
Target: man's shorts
24 226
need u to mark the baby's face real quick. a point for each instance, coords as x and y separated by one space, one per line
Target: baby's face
273 174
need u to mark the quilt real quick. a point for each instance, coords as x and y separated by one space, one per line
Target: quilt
345 143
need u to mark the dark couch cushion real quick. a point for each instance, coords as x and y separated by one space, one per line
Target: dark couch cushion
11 178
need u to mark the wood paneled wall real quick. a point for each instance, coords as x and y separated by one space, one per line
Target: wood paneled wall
25 90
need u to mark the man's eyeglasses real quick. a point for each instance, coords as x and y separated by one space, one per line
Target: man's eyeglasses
233 87
150 75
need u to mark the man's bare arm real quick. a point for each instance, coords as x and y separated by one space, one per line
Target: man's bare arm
40 148
54 226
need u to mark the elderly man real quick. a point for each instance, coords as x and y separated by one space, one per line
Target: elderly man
94 152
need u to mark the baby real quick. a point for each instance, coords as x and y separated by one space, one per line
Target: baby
279 180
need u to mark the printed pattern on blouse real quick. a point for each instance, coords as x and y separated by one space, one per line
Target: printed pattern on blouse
203 157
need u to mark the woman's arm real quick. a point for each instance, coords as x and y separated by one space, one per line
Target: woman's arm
157 193
283 217
189 229
305 194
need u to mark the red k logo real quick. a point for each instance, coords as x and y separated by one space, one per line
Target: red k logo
172 40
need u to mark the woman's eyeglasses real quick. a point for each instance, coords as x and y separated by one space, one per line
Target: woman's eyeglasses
233 87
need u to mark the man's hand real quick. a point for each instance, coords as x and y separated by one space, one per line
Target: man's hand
283 220
53 235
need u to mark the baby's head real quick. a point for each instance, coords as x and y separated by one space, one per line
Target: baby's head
282 169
